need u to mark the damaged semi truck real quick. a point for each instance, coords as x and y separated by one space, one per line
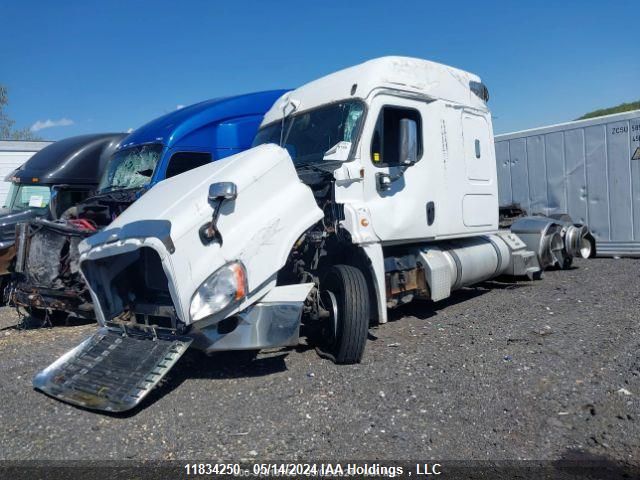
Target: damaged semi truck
48 280
366 189
54 179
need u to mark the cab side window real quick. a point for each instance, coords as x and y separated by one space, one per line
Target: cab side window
385 143
183 161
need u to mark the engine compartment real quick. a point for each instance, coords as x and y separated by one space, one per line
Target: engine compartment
133 289
47 273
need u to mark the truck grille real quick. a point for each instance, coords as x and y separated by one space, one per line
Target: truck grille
131 283
111 371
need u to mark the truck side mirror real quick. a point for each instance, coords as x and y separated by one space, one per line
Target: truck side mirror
408 145
218 193
222 191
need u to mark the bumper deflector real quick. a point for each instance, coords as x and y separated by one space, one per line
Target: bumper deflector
263 325
160 229
111 371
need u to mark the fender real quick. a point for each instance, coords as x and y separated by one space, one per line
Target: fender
358 223
373 251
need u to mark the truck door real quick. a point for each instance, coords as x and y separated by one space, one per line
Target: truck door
407 209
480 196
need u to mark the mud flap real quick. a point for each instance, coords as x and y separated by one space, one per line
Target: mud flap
111 371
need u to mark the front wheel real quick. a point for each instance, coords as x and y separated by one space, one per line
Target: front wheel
344 294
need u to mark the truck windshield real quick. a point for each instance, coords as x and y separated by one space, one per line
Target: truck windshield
309 135
23 197
131 168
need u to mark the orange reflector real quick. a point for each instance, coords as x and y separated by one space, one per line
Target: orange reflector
35 179
364 222
241 280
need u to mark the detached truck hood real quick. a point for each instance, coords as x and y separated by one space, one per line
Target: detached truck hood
272 209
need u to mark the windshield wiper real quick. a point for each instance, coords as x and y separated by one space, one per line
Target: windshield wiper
317 168
118 189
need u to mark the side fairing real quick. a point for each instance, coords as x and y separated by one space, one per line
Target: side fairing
272 209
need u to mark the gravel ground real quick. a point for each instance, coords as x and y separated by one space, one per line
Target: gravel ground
530 370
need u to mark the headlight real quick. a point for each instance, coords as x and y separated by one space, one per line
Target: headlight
227 286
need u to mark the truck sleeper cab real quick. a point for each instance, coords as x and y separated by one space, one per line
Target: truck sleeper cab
366 189
177 142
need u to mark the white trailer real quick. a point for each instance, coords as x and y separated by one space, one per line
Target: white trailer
14 153
366 189
588 169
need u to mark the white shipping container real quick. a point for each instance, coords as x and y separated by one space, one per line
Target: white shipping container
589 169
12 155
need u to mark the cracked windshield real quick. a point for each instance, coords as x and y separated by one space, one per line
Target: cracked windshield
309 136
131 168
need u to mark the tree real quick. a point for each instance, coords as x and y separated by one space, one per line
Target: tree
7 131
623 107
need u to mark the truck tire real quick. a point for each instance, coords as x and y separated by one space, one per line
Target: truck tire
38 318
344 293
592 241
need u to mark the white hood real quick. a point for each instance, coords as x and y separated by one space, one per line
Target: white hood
272 209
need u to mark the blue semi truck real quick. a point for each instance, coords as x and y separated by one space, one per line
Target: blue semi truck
47 282
187 138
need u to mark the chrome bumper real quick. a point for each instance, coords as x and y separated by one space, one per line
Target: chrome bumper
263 325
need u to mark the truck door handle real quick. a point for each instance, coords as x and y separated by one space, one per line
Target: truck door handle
431 213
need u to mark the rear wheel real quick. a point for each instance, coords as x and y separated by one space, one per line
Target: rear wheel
567 260
344 294
592 241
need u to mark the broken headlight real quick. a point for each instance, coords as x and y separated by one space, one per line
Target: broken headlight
224 288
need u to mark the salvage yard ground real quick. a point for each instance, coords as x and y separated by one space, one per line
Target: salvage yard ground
529 370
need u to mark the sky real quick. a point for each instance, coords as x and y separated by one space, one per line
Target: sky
77 67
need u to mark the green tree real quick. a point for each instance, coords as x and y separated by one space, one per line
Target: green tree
7 132
623 107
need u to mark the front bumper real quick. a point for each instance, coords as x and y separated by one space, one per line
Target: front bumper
263 325
53 300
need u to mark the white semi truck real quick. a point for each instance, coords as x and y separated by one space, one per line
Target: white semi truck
366 189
